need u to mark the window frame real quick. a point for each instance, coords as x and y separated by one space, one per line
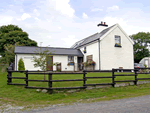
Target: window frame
72 59
119 40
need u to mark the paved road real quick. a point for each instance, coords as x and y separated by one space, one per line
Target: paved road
129 105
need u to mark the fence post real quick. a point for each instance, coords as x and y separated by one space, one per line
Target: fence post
9 80
26 79
10 76
50 83
84 77
113 82
135 82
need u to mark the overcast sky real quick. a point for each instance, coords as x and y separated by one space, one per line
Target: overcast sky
60 23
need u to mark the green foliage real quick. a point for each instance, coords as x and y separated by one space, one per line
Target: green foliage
145 65
9 55
11 34
141 40
21 65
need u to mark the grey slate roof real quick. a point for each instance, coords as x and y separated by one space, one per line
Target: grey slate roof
91 38
54 50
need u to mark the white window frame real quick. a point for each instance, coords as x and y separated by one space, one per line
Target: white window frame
118 40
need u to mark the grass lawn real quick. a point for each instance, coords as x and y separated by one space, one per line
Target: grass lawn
18 95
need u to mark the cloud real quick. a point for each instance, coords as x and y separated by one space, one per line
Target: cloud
84 16
5 19
115 7
25 16
37 19
36 12
62 6
96 9
70 40
59 27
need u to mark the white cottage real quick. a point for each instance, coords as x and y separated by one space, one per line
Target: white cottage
110 48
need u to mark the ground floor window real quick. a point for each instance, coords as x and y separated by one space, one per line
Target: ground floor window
70 60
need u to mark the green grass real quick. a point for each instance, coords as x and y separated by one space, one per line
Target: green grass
18 95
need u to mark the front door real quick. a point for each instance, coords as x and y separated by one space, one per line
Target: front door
50 63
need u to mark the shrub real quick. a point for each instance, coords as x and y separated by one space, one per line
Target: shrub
145 65
21 65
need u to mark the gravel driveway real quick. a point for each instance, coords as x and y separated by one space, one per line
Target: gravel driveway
129 105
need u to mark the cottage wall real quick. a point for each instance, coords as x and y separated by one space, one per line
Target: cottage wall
29 64
115 57
92 49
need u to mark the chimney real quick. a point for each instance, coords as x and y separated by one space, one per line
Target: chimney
102 26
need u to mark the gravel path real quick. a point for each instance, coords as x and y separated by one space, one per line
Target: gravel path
129 105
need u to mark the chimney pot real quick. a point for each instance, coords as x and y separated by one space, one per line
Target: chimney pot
102 26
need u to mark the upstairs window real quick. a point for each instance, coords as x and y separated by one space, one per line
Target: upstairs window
117 41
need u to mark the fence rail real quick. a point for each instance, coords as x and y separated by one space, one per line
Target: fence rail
84 79
50 81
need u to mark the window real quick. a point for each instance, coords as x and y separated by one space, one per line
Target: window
89 57
70 60
117 41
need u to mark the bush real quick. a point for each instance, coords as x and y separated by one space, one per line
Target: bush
145 65
21 65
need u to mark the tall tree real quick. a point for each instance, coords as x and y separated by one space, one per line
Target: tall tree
9 55
141 41
11 34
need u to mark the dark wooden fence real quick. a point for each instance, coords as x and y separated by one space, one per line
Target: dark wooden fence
85 78
100 77
9 76
50 81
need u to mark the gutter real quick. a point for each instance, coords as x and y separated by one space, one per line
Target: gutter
99 52
16 61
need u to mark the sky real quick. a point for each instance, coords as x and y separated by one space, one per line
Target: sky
60 23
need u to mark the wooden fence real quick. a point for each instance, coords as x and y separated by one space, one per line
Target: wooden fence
85 78
50 81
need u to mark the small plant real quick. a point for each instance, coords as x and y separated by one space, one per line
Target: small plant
84 51
71 63
117 44
145 65
21 65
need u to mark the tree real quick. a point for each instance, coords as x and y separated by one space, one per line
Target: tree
141 41
9 55
41 61
11 34
21 65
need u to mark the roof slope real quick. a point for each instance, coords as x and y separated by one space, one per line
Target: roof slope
56 51
91 38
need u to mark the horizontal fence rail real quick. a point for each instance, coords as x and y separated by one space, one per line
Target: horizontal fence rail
50 81
135 73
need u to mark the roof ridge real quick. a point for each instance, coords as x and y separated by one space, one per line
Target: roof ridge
97 33
46 47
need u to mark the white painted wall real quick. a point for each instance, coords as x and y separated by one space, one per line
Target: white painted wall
115 57
29 65
92 49
64 61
